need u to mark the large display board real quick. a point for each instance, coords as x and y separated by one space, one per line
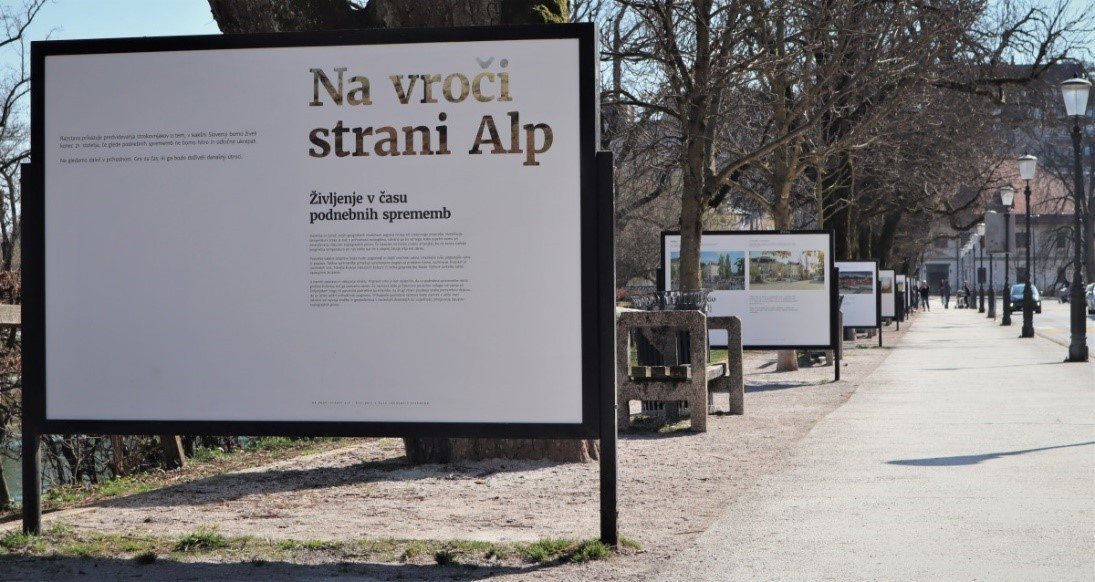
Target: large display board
859 288
887 291
778 282
346 233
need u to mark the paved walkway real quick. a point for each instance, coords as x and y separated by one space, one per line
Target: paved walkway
968 455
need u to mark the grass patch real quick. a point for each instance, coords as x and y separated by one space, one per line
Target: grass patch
63 542
414 550
201 540
590 550
548 549
306 545
125 486
17 540
205 463
63 496
82 550
204 455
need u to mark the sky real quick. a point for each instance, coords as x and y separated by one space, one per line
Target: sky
69 19
74 19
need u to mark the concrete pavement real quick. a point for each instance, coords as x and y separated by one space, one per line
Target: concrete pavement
969 454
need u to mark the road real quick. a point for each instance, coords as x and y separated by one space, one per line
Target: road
1053 323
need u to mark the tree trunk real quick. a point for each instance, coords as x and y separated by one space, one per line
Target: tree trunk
117 450
5 495
173 455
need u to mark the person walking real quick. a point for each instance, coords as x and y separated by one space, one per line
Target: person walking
945 293
924 291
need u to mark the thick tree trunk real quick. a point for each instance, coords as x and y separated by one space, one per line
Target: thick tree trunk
5 495
173 455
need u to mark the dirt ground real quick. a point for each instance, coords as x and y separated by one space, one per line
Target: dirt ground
671 488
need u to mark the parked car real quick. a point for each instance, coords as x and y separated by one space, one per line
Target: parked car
1089 294
1016 299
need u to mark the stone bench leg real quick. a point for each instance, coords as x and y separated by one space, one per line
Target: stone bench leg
735 373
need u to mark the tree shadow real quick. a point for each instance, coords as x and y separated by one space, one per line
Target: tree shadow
783 386
233 486
73 568
961 460
993 367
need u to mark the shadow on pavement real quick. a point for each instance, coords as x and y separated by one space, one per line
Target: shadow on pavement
68 568
786 386
993 367
975 459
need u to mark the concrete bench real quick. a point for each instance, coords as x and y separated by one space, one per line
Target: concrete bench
678 379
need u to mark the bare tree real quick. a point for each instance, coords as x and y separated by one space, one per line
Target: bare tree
14 149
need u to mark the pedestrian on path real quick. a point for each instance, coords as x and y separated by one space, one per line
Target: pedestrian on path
924 291
945 293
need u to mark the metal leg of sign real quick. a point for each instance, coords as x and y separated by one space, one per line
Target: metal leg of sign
609 533
880 335
839 345
899 309
32 453
32 481
607 356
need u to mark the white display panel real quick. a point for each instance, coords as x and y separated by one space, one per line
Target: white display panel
361 233
778 283
887 291
859 289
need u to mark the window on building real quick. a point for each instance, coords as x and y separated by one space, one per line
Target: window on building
1022 239
1062 241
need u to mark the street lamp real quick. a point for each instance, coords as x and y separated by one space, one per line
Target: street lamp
992 285
981 271
1007 197
1028 165
1033 242
1075 92
967 266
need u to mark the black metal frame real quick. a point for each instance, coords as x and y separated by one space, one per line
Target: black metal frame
834 302
597 268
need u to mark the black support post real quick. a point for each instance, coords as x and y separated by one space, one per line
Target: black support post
32 482
605 203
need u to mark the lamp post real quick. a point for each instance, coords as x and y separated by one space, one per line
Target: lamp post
1032 241
981 271
1028 165
1075 93
1007 197
992 291
967 264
